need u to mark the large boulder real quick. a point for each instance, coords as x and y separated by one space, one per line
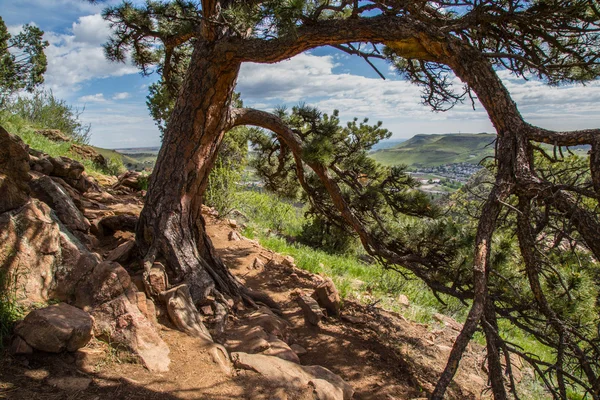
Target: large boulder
56 196
323 383
14 171
57 328
110 296
43 259
121 322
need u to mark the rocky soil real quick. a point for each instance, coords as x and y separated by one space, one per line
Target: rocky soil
68 238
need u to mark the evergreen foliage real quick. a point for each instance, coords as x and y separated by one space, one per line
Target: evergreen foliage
22 60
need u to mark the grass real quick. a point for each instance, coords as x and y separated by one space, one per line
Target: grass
26 131
10 311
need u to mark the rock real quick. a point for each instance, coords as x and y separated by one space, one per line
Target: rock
53 134
325 383
88 153
403 300
123 222
121 323
232 223
41 164
64 167
207 310
183 313
70 383
53 194
476 379
56 328
288 261
298 349
87 359
279 348
107 281
132 180
234 236
310 309
20 347
252 345
76 261
14 172
100 196
269 322
123 252
43 259
258 264
449 322
328 297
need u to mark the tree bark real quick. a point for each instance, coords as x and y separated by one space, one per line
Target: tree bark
171 227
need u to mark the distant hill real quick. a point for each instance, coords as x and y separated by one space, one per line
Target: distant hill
438 149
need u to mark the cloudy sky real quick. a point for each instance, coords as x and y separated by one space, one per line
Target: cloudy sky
113 95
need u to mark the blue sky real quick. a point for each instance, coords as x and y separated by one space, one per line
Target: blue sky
113 95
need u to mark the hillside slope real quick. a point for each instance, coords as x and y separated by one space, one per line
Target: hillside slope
438 149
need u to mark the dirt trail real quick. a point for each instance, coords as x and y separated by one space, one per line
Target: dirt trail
381 354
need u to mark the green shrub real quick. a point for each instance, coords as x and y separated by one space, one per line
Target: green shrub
45 111
270 212
115 166
221 192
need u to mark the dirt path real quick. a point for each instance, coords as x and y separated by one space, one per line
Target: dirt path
379 353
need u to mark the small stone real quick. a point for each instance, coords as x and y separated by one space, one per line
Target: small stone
403 300
298 349
288 261
258 264
232 223
207 310
311 310
122 253
328 297
234 236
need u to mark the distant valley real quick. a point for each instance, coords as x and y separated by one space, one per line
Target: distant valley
438 149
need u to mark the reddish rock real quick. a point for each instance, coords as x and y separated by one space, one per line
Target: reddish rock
107 281
131 179
55 195
55 135
123 252
88 153
56 328
328 297
14 171
121 322
310 309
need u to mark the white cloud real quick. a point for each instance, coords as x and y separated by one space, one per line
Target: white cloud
93 98
79 57
121 96
91 29
308 78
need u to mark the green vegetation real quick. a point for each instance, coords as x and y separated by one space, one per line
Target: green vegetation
22 60
434 150
18 123
10 311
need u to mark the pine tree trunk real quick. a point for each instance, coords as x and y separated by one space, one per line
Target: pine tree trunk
171 228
